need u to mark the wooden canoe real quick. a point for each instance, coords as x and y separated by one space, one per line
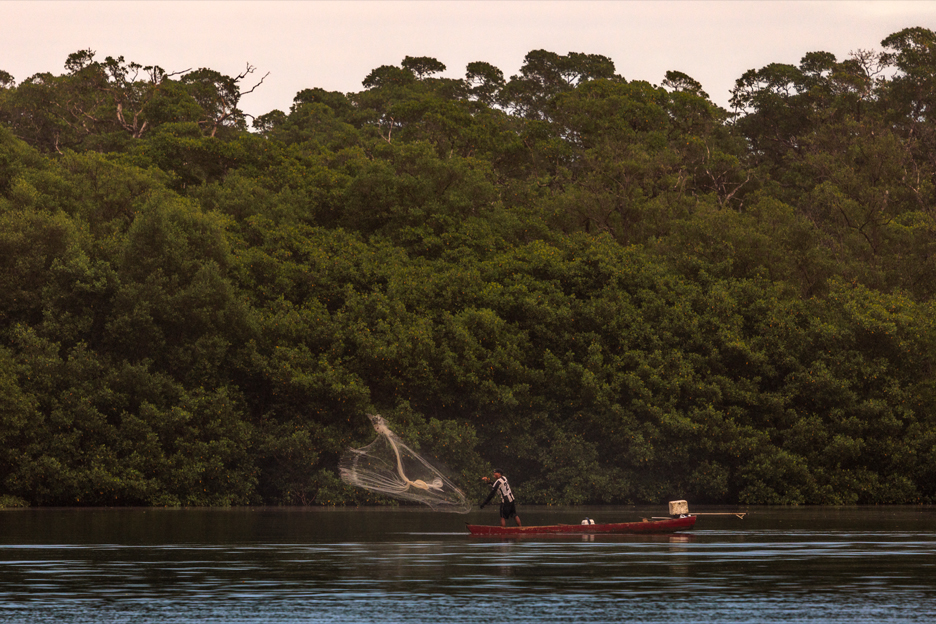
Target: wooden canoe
669 525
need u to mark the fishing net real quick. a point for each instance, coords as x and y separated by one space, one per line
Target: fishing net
389 467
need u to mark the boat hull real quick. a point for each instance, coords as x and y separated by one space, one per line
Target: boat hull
650 526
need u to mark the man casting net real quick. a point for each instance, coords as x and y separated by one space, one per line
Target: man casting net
389 467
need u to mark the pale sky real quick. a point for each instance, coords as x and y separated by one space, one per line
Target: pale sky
334 45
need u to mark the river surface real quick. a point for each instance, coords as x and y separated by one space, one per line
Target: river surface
843 564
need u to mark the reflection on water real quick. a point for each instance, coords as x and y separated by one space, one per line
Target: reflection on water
787 565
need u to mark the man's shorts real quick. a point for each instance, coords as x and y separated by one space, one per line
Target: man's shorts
508 510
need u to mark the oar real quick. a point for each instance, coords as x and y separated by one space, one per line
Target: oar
738 515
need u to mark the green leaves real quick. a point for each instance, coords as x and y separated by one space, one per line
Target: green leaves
544 75
617 290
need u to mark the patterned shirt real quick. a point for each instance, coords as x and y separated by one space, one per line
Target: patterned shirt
501 487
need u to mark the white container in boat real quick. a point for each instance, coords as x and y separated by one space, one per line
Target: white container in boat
678 508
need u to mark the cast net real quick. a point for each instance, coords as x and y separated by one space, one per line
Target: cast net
389 467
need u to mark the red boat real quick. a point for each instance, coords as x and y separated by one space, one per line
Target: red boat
669 525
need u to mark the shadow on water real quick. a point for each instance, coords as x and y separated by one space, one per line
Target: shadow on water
361 565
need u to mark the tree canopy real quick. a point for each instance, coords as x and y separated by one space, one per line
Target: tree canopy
617 290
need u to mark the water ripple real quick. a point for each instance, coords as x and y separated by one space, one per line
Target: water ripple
290 575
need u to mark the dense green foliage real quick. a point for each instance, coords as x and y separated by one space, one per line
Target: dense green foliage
619 292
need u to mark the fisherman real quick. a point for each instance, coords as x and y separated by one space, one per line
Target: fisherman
508 507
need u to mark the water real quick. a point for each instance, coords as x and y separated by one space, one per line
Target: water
301 565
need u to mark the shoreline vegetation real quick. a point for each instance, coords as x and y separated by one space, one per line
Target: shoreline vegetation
618 291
